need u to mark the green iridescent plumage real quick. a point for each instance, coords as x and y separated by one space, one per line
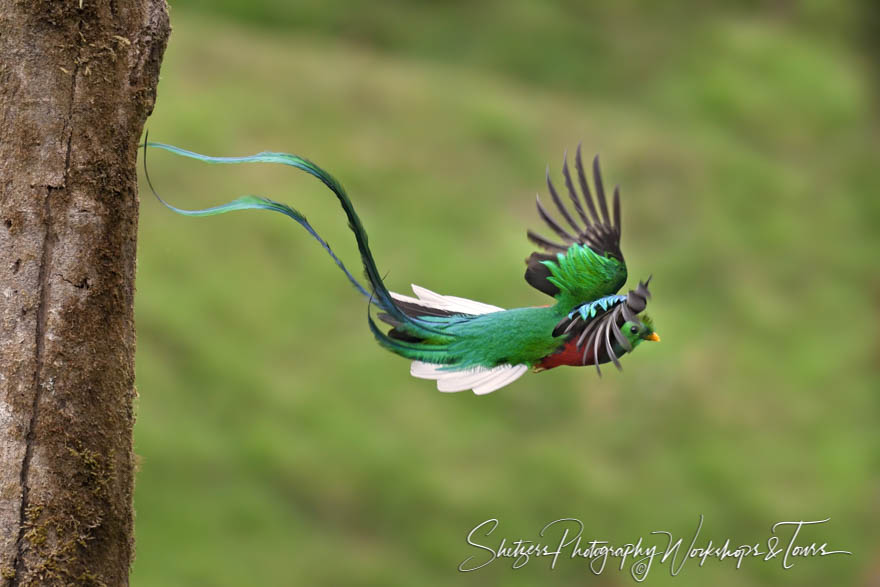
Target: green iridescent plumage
468 345
582 274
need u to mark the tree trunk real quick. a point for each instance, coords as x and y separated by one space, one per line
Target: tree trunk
77 81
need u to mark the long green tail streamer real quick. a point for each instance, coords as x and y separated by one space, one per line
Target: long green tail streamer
247 202
380 296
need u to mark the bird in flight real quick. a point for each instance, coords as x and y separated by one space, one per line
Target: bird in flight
467 345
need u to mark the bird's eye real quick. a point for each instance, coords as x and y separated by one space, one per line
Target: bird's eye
634 329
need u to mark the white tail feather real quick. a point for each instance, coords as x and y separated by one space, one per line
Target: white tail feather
455 304
480 379
501 379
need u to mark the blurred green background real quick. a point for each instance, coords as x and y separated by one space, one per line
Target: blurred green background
280 446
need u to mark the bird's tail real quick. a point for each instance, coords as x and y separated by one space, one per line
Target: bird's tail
424 341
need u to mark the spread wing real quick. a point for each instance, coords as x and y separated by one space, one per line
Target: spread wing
587 263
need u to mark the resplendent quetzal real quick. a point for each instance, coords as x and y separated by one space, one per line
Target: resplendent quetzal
465 344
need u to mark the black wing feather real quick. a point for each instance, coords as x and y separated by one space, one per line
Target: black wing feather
600 190
545 244
585 188
558 202
537 273
552 223
572 194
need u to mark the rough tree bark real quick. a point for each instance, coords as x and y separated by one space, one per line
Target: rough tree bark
77 81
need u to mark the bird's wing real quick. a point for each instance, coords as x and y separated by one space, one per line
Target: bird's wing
587 263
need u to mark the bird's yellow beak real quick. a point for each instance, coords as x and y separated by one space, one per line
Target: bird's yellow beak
653 336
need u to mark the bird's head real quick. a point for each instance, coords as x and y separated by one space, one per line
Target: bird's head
636 331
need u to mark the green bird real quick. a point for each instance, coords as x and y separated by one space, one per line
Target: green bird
464 344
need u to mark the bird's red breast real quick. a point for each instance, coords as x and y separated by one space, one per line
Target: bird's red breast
569 355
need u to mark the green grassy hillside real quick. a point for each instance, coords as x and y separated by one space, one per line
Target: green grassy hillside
280 446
